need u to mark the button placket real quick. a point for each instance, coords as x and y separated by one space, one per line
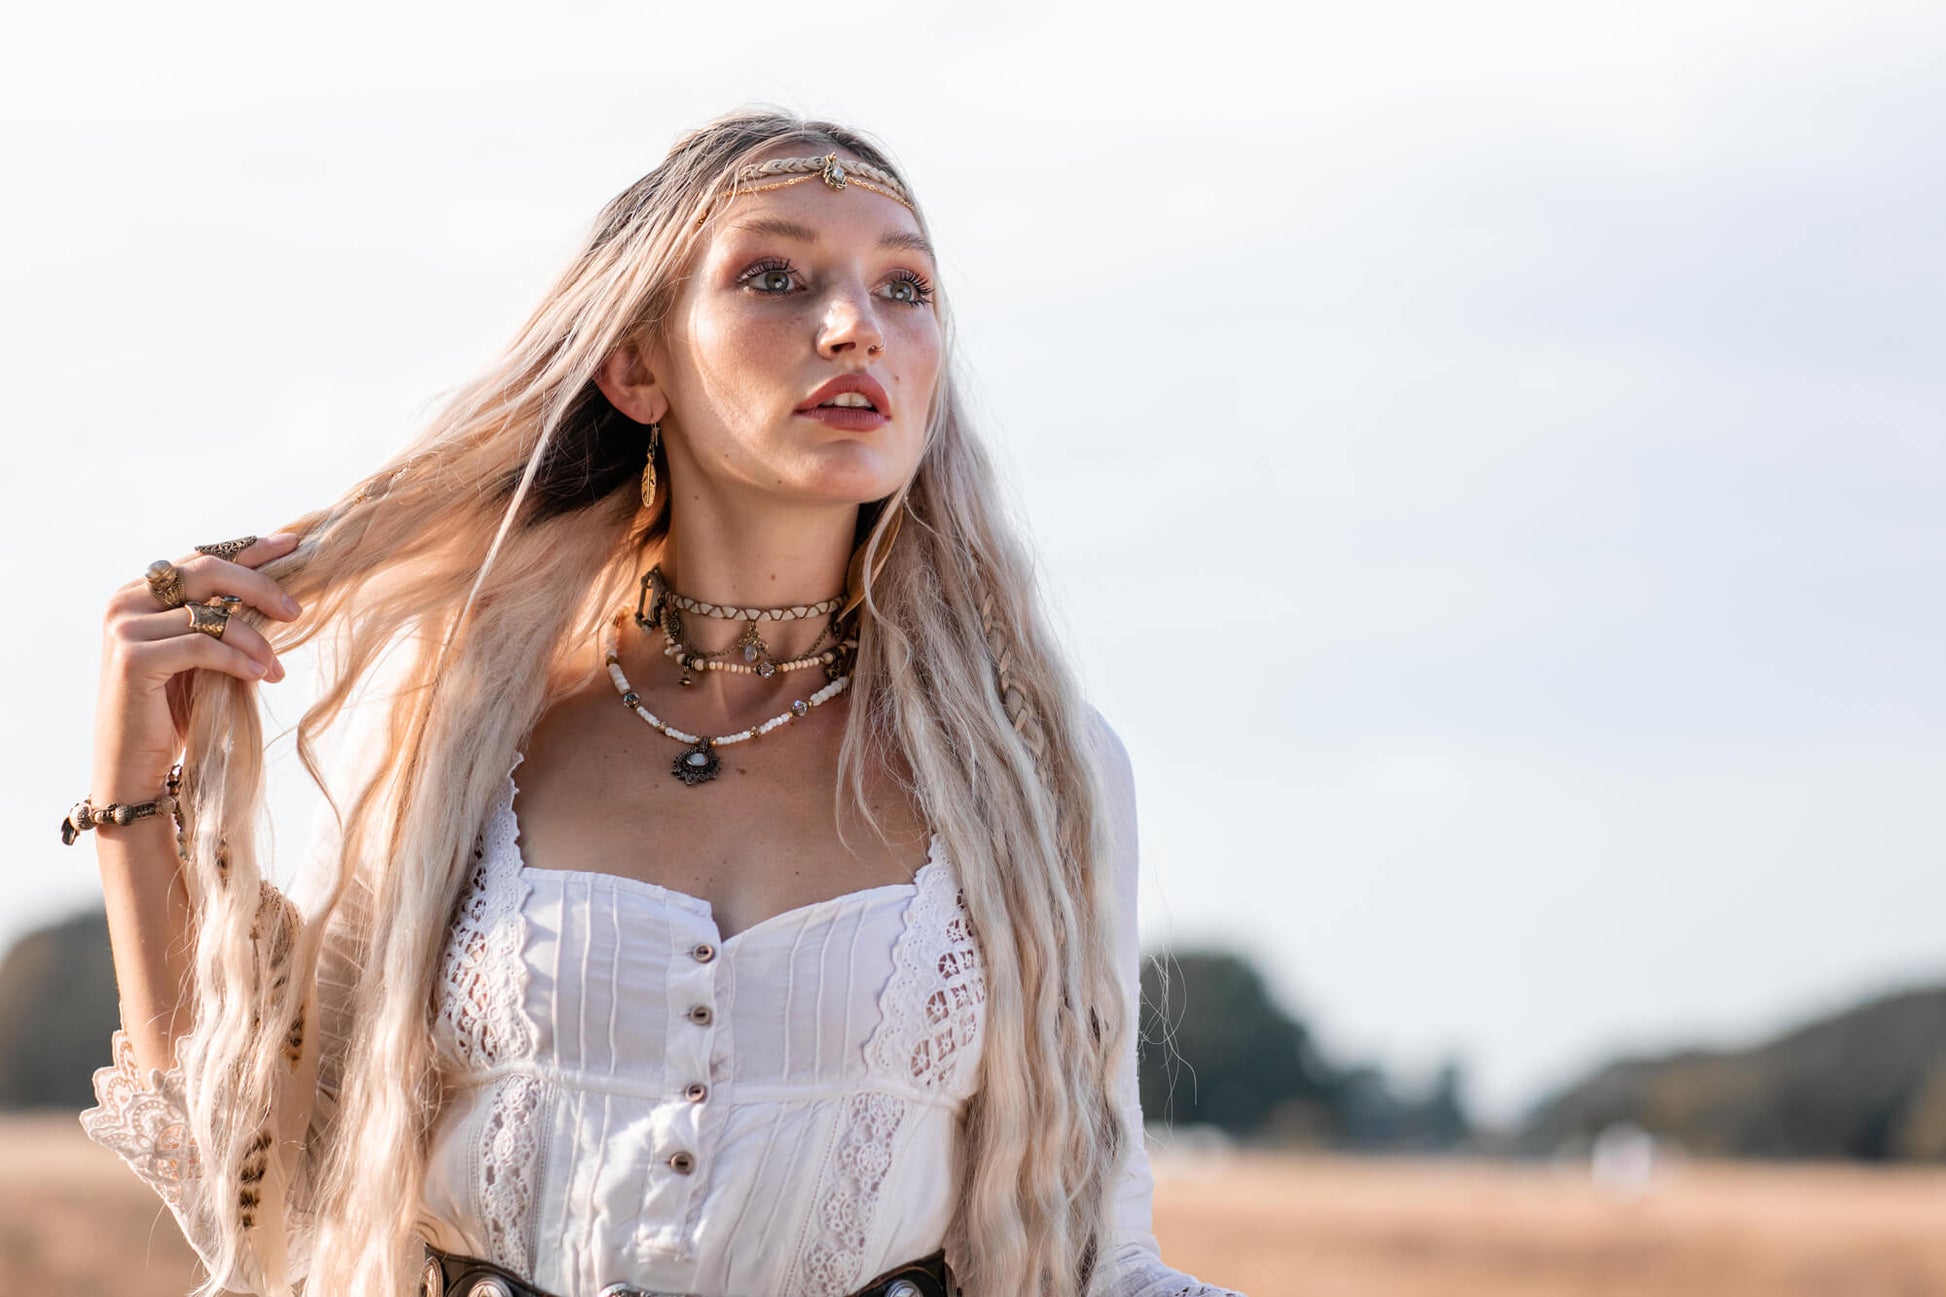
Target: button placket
683 1160
694 1006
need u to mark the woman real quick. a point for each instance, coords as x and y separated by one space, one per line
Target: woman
814 957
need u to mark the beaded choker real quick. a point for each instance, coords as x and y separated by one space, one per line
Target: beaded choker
659 607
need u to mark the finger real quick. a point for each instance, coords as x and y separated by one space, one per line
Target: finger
258 552
160 659
238 633
205 576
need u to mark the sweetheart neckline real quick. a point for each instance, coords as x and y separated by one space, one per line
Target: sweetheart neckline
688 900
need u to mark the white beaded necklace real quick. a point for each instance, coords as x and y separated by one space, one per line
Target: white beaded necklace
700 764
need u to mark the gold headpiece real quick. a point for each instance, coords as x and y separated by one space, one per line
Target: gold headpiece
827 168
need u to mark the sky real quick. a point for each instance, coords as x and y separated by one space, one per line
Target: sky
1487 460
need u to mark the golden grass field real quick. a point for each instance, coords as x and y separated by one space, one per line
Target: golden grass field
74 1221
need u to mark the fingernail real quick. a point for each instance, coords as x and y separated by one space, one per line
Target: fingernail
258 669
291 606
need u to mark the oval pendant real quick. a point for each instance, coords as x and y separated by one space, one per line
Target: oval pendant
697 765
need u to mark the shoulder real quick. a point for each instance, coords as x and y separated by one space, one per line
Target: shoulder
1109 751
1115 774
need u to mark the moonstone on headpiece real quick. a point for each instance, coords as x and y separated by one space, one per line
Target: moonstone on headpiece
827 168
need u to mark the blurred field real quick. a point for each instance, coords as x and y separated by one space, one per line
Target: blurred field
1307 1227
73 1221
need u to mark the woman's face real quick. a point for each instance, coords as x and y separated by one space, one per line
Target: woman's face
796 287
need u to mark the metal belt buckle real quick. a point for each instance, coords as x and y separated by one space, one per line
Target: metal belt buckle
432 1283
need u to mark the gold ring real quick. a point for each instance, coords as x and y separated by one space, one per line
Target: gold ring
165 583
228 549
213 618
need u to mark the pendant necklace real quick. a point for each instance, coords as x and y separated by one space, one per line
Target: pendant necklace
699 763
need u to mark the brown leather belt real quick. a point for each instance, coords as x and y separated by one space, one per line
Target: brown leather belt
446 1275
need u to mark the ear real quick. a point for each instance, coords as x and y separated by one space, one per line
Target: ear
624 378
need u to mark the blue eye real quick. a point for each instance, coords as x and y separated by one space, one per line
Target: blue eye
920 288
765 274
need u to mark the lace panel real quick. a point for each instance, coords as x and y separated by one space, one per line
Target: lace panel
145 1121
481 977
930 1013
848 1192
509 1155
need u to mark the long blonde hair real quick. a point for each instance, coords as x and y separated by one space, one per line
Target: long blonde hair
489 551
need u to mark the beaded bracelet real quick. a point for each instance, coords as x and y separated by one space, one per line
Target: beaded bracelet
86 815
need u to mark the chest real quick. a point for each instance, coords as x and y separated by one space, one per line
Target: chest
629 984
598 794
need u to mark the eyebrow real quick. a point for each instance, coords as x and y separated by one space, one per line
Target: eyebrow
787 229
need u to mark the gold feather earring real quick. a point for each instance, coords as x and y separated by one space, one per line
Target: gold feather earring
648 469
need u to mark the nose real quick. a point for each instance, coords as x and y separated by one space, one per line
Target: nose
850 327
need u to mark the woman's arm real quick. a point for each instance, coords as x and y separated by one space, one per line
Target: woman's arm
149 654
141 1113
1135 1267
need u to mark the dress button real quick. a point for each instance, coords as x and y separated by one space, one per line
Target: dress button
695 1091
703 953
682 1163
902 1288
700 1014
491 1286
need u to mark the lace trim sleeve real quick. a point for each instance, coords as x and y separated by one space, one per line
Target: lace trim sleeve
1135 1268
143 1120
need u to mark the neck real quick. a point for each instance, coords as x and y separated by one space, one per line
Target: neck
768 557
772 559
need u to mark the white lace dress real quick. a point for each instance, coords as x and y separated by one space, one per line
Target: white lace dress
645 1101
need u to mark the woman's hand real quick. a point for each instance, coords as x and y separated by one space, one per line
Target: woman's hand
148 652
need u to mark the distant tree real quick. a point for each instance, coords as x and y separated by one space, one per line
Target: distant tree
1445 1110
1867 1083
58 1009
1919 1135
1373 1115
1218 1050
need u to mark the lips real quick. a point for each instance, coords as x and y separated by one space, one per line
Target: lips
862 383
